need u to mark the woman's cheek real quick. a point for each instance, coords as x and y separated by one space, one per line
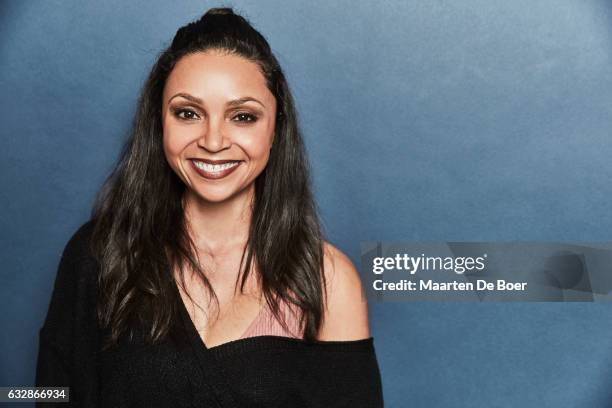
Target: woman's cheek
176 139
257 141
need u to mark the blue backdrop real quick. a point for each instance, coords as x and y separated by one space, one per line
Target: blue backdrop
424 120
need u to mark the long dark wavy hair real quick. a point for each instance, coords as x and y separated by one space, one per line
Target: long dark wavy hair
140 232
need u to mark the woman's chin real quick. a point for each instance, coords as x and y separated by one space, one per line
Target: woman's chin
216 195
214 198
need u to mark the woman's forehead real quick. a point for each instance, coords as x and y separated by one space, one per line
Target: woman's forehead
215 74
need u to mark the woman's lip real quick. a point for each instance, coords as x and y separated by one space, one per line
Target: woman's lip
217 174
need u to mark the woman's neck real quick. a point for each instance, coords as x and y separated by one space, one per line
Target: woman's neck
217 228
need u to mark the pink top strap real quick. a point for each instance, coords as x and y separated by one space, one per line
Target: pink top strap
266 325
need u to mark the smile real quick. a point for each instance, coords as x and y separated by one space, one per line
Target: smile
214 171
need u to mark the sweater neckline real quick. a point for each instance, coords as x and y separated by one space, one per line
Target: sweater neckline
264 341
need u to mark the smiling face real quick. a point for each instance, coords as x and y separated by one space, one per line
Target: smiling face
218 119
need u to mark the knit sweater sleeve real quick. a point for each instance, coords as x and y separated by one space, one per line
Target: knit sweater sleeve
67 338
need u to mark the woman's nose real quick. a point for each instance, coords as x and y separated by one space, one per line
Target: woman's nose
213 137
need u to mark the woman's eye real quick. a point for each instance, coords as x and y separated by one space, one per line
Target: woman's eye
186 114
244 117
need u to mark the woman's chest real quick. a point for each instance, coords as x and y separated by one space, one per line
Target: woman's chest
228 314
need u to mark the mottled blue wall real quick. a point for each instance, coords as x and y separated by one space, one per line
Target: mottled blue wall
425 120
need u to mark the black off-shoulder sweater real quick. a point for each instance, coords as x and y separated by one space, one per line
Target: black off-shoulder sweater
262 371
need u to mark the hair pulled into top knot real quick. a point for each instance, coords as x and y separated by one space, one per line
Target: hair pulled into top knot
219 28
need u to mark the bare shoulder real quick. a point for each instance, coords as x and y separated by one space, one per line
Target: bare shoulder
346 310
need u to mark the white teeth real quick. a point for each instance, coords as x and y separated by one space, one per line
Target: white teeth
214 168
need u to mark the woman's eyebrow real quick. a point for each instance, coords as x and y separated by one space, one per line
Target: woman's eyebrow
188 97
240 101
234 102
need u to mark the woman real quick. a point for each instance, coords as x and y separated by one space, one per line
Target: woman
203 277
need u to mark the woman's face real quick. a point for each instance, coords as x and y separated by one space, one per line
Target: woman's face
218 120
